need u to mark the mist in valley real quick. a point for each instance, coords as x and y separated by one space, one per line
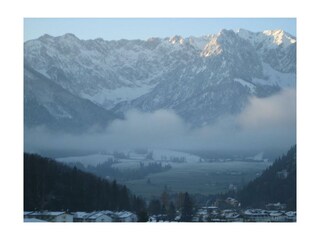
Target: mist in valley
265 123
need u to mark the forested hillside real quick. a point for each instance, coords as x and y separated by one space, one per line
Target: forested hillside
276 184
49 185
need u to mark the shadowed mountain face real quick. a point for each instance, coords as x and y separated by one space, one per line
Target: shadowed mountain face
48 104
73 85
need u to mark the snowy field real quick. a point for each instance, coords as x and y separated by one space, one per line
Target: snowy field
188 172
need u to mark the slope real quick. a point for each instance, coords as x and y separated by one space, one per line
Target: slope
49 105
49 185
276 184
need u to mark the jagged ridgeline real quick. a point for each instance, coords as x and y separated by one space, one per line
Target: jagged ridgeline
72 84
49 185
276 184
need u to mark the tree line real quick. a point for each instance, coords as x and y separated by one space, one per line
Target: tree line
49 185
107 170
276 184
53 186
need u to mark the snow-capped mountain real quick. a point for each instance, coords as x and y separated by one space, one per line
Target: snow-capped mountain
201 78
48 104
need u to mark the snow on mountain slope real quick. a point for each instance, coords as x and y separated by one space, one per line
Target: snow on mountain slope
47 104
275 47
89 68
218 82
200 78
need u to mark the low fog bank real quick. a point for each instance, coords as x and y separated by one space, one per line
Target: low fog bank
266 123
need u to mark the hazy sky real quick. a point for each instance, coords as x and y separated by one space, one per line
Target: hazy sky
144 28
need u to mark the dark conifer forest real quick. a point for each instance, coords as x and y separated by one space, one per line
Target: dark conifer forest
49 185
276 184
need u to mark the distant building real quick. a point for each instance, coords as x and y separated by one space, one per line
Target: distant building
98 217
276 206
79 216
277 216
51 216
233 202
291 216
256 215
33 220
125 216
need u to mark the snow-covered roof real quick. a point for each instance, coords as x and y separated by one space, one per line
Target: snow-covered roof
291 214
80 214
232 215
97 215
255 212
124 214
275 213
33 220
46 213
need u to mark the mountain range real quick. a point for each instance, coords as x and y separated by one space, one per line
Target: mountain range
73 84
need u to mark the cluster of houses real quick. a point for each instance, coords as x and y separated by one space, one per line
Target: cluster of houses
274 212
96 216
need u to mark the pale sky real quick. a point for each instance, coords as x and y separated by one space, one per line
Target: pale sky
144 28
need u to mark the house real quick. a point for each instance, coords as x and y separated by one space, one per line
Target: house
79 216
233 217
98 217
291 216
233 202
33 220
26 214
277 216
276 206
125 216
52 216
256 215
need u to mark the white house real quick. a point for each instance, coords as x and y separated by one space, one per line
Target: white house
125 216
52 216
98 217
79 216
291 216
277 216
33 220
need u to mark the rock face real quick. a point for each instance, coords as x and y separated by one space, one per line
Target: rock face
200 78
48 104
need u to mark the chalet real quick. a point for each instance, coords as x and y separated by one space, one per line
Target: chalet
125 216
79 216
291 216
276 206
98 217
52 216
233 217
33 220
26 214
256 215
277 216
233 202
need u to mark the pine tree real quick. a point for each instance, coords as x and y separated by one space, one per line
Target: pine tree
155 207
187 209
143 216
171 212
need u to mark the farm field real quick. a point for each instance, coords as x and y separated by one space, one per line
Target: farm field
203 178
188 172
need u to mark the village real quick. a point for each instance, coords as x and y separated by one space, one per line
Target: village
95 216
273 212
